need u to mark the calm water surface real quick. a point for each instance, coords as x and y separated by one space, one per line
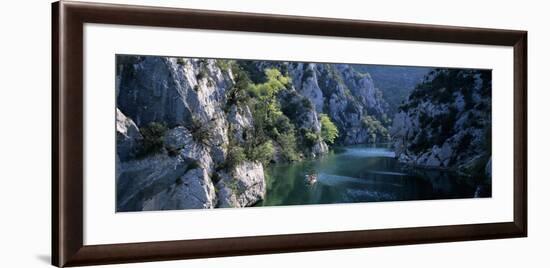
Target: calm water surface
361 174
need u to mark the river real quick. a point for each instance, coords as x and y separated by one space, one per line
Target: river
365 173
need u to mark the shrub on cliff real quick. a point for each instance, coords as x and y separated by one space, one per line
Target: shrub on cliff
201 132
235 156
153 138
311 138
238 93
262 153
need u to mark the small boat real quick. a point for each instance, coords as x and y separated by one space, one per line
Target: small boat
311 179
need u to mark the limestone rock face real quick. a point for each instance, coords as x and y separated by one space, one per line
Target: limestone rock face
141 179
304 77
191 191
177 139
171 90
243 186
178 92
180 141
362 88
346 95
446 124
240 120
189 97
306 118
127 135
319 148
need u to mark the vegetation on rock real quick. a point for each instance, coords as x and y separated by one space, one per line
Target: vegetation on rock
377 131
153 138
329 131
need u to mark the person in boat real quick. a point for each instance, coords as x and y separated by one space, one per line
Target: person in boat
311 178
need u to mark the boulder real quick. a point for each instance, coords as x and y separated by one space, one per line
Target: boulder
319 148
141 179
244 186
177 138
193 190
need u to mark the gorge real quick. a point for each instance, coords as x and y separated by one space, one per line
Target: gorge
212 133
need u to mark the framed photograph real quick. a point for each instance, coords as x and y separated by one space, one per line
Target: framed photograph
183 133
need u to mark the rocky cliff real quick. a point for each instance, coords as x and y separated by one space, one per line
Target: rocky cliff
347 96
396 82
446 122
173 134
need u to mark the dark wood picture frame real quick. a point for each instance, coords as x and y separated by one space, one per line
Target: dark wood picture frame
68 19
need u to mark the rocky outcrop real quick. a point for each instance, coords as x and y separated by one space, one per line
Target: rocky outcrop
304 78
319 148
446 122
362 89
243 186
141 179
191 191
128 137
171 90
188 96
240 120
180 141
177 92
396 82
350 97
304 115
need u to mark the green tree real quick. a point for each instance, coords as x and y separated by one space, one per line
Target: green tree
268 90
267 107
329 131
269 121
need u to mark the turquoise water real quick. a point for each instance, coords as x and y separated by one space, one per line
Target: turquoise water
362 174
